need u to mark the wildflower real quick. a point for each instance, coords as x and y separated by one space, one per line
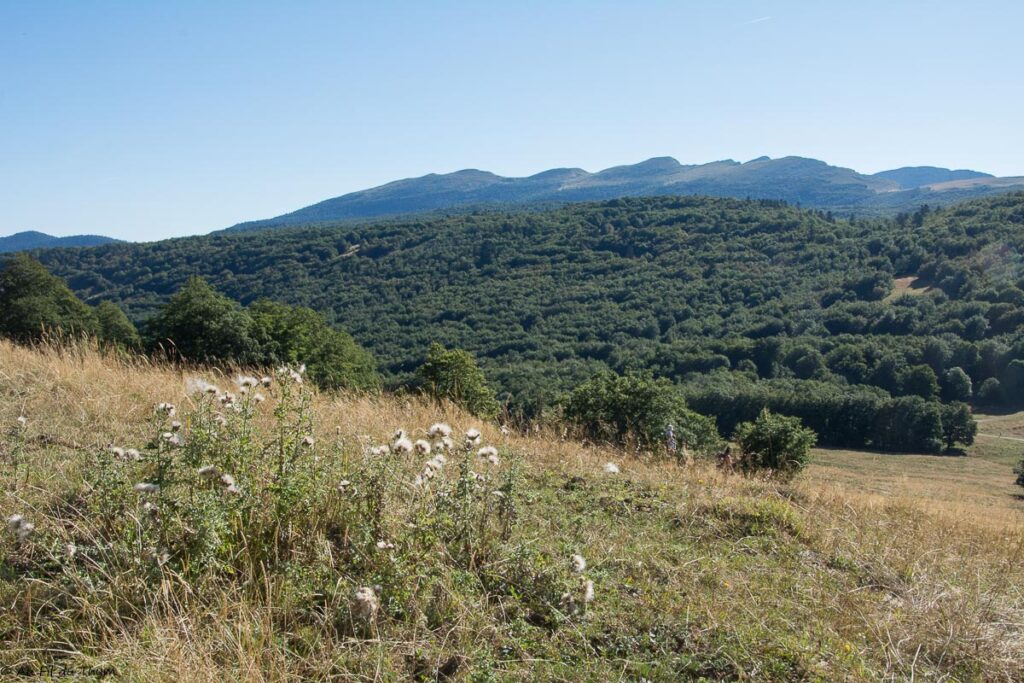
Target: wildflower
437 463
448 443
418 481
422 447
14 522
24 530
117 452
150 509
588 591
398 435
266 381
611 468
70 550
133 454
403 445
493 459
579 564
259 398
343 485
488 452
439 429
209 472
200 386
145 487
227 480
245 381
473 436
175 426
308 441
505 430
22 421
172 439
380 450
384 545
166 408
365 604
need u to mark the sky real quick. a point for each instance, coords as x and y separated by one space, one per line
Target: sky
143 120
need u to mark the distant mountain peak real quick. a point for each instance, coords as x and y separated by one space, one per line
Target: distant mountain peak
909 177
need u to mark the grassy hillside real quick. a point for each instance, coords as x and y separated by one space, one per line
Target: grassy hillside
696 575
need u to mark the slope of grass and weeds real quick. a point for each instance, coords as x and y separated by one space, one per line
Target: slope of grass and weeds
260 530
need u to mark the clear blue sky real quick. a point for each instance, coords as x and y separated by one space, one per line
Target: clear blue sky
143 120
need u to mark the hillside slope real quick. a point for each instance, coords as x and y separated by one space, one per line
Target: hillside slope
695 575
25 241
671 285
792 179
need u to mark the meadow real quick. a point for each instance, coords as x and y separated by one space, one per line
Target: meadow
262 530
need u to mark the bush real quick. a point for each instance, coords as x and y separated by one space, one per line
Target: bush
618 408
454 375
775 442
1019 471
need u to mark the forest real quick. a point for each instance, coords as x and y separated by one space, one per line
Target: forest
858 326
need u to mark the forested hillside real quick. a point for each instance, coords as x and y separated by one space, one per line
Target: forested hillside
726 297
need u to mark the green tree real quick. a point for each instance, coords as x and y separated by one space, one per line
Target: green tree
1019 471
454 375
958 424
616 408
990 392
34 302
115 327
198 324
294 334
775 442
956 385
920 381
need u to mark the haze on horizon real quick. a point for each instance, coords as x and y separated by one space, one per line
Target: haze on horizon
143 121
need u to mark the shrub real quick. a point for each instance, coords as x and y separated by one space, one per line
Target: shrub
618 408
454 375
774 442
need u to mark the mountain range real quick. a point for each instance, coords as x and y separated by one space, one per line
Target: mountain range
798 180
24 241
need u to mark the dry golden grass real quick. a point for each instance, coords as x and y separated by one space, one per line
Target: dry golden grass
869 567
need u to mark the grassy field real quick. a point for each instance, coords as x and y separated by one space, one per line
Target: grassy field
331 561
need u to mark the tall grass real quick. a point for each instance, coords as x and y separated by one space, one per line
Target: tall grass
282 534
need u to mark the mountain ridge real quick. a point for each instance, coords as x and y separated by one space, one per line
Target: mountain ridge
33 239
798 180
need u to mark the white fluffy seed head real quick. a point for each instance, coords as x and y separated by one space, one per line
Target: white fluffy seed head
175 426
14 522
308 441
493 459
439 429
403 445
167 409
579 564
588 591
117 452
133 454
611 468
266 381
488 452
365 604
146 487
422 447
246 381
22 420
209 472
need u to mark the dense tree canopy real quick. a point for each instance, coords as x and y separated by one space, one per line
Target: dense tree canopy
781 301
